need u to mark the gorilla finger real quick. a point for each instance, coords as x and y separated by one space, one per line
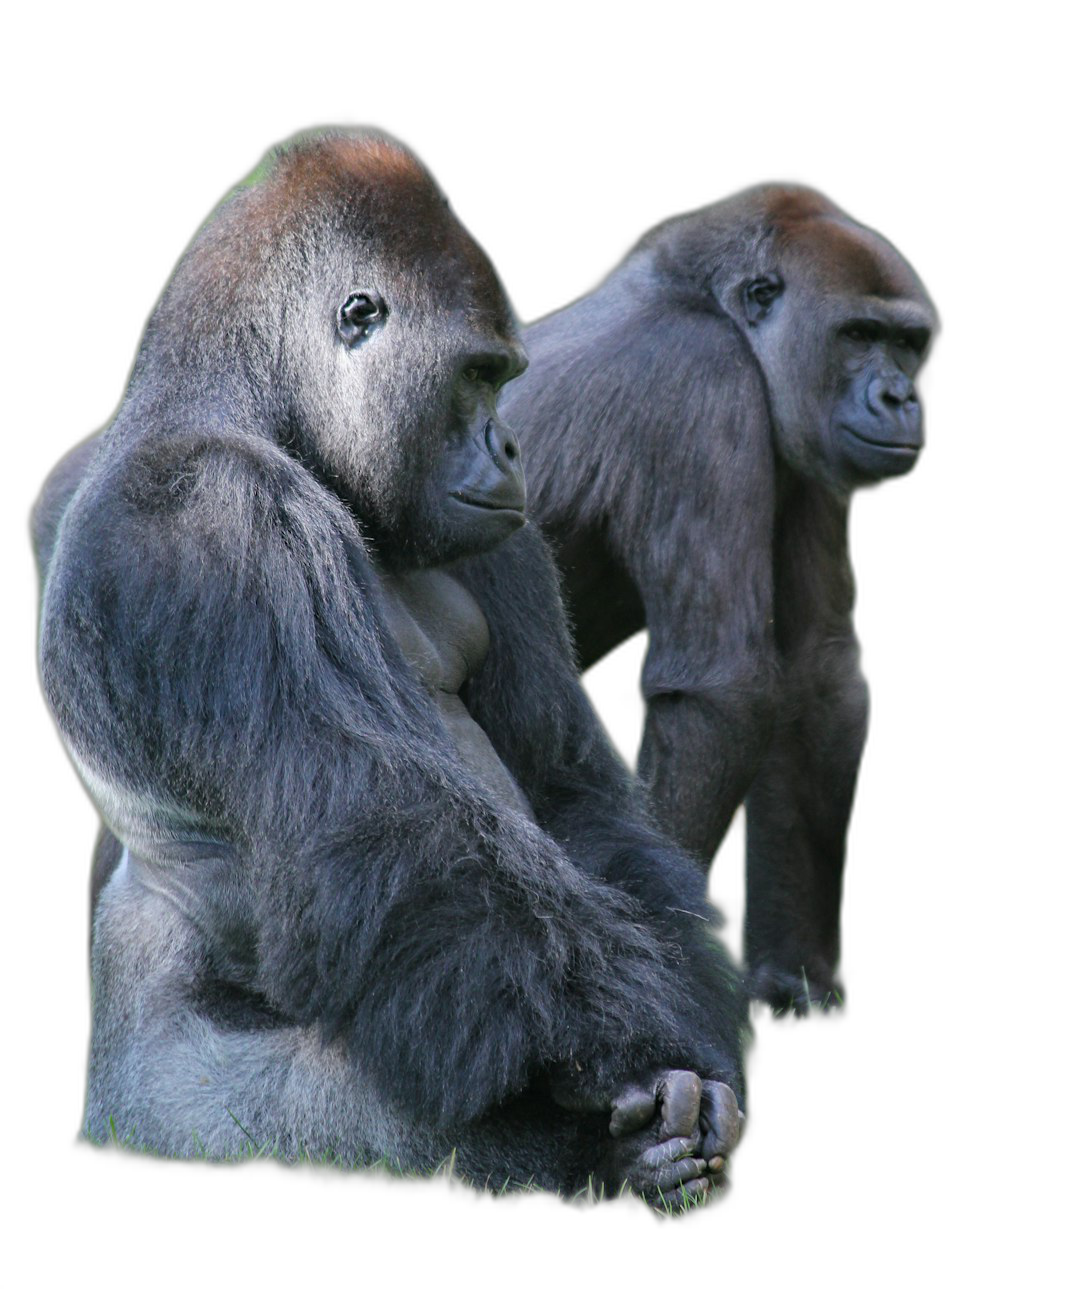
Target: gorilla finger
720 1119
667 1152
681 1198
680 1103
632 1108
671 1176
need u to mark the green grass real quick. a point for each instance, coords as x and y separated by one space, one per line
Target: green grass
593 1192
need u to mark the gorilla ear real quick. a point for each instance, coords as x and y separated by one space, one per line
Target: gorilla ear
758 297
361 312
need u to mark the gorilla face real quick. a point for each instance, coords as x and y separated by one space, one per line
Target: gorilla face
876 423
432 477
841 327
402 338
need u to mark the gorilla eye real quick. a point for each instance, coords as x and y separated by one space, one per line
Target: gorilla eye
758 296
914 340
472 373
359 314
863 333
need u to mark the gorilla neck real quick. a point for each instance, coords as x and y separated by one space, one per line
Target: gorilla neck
442 632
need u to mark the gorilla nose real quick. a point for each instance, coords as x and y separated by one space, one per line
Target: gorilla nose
502 445
507 488
895 415
890 395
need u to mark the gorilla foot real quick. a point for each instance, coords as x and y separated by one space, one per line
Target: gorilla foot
798 994
672 1135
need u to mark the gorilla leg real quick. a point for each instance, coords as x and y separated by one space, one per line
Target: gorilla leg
108 851
185 1065
64 478
206 1072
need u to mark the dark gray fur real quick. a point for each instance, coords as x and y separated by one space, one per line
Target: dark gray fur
693 430
335 931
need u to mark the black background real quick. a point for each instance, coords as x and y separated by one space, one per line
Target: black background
857 1125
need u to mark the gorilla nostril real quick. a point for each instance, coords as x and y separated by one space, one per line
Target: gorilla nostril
500 442
898 399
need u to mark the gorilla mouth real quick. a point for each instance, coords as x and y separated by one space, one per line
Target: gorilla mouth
904 449
482 503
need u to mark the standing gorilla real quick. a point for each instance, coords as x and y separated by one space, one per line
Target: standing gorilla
693 431
384 890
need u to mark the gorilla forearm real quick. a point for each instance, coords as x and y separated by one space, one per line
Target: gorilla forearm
797 813
468 961
629 854
583 796
608 835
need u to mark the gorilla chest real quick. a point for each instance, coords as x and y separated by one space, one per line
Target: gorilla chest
443 634
438 626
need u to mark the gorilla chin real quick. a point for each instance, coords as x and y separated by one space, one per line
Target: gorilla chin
873 459
475 526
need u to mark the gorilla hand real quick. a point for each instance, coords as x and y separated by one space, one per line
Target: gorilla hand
795 991
672 1134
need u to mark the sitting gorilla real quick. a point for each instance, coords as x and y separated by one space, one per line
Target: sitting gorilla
374 883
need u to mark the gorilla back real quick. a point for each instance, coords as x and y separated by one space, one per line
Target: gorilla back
373 882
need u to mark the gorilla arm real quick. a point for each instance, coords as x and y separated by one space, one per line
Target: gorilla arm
213 651
799 804
750 683
706 496
528 698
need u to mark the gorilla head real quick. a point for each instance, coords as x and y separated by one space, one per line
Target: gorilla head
345 308
837 319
